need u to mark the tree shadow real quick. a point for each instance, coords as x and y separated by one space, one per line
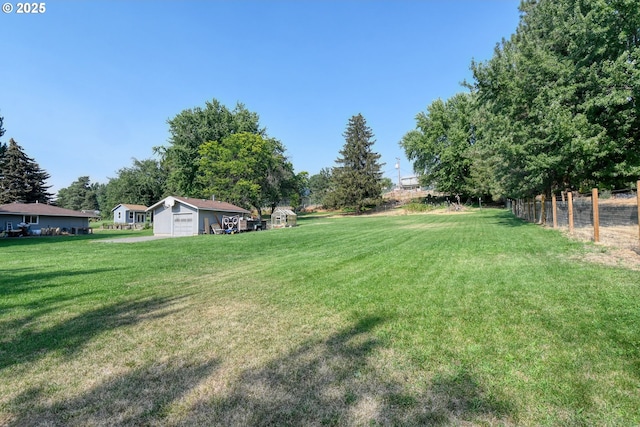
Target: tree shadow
142 396
46 240
19 280
508 219
333 382
69 336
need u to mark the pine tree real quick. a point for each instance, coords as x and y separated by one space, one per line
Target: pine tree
21 179
357 180
78 196
3 147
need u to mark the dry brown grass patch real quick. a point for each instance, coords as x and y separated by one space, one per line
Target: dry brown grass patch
618 246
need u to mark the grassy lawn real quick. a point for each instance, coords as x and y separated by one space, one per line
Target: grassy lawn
460 319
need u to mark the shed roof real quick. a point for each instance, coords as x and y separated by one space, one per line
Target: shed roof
285 211
203 204
131 207
40 209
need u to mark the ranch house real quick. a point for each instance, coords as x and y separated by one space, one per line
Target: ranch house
40 218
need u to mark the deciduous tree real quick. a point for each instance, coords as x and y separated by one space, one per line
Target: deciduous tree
244 168
319 186
192 128
441 145
562 96
144 183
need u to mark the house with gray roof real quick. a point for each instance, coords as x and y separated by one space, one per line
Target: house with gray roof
187 216
37 217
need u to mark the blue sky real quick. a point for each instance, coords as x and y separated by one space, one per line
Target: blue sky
89 85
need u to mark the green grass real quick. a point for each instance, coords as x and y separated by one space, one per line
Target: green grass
472 319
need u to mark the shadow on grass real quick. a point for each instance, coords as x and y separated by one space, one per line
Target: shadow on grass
508 219
33 342
19 280
140 397
332 382
45 240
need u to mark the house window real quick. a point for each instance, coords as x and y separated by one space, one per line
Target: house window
30 219
9 226
131 216
119 215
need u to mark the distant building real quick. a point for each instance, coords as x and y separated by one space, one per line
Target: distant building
410 183
129 214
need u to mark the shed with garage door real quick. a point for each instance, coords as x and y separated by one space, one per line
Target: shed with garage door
186 216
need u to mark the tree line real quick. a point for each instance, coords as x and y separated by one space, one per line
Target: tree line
212 152
556 108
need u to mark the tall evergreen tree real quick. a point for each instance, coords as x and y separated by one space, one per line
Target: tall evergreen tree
3 147
358 177
78 196
21 179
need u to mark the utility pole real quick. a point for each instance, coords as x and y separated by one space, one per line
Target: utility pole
398 167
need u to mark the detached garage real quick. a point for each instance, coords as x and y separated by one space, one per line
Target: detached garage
186 216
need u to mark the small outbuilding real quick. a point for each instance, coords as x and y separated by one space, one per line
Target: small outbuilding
41 218
187 216
282 217
126 213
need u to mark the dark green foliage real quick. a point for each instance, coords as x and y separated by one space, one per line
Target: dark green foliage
441 146
210 153
3 147
555 108
144 183
80 195
561 97
192 128
21 179
357 180
319 186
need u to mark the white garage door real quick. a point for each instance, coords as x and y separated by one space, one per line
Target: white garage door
183 224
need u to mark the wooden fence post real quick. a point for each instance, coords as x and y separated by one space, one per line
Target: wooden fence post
543 211
570 203
596 215
554 206
638 205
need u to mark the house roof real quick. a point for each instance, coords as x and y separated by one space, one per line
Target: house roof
40 209
131 207
202 204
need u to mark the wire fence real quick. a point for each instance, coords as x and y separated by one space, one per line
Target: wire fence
601 216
